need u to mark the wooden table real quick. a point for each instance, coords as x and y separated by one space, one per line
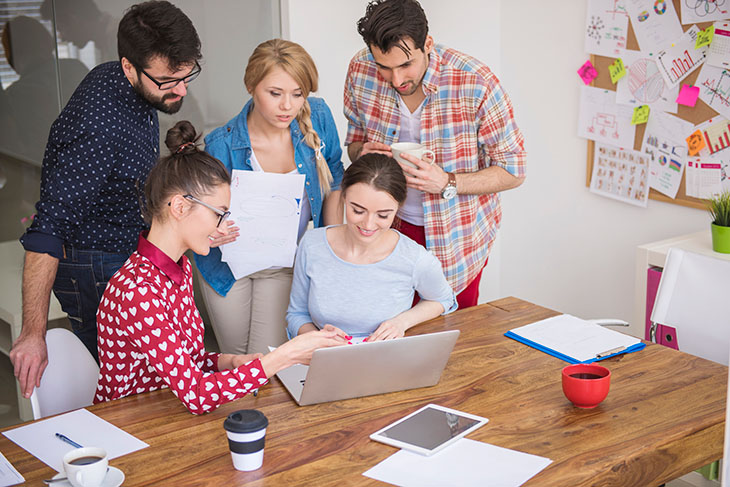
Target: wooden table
663 418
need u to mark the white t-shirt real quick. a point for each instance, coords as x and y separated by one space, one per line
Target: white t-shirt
410 131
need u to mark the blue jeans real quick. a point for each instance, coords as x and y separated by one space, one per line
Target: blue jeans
80 283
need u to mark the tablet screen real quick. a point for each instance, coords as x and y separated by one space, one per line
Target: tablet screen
429 428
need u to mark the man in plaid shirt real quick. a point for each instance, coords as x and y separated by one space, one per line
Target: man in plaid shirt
404 88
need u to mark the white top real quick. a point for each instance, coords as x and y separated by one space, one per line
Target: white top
306 209
410 131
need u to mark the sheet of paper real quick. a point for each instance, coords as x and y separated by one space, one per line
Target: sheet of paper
719 52
694 11
602 120
267 208
688 95
655 23
574 337
620 174
607 27
716 134
81 426
714 85
678 59
8 475
665 144
644 84
466 463
587 72
708 176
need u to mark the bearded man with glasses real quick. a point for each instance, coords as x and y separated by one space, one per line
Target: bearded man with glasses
102 145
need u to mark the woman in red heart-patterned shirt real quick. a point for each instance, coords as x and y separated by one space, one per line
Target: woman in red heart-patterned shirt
150 332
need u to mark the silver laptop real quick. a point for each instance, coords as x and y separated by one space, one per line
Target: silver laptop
365 369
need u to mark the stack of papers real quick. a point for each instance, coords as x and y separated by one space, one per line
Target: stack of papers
465 463
575 340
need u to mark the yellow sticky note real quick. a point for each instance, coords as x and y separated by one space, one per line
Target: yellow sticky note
695 142
641 115
704 37
617 70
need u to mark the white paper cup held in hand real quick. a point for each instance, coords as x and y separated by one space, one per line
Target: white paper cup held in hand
246 430
413 149
86 467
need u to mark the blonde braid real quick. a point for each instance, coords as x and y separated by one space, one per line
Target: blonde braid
312 140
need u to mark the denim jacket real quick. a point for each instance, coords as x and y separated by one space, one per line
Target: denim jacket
231 145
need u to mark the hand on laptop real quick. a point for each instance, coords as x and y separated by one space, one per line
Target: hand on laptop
299 349
388 329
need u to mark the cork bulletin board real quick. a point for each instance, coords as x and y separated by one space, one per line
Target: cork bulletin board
697 114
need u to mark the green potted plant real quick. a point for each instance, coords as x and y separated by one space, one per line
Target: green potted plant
719 207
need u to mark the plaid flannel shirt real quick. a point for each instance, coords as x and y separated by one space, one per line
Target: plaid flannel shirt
468 122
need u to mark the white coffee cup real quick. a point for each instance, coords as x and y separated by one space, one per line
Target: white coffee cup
414 149
86 467
246 430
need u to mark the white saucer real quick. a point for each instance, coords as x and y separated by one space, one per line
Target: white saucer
114 478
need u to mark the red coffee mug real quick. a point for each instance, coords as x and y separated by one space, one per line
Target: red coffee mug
586 385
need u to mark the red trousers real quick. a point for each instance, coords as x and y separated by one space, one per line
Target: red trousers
466 298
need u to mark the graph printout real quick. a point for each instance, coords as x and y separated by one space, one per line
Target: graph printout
716 132
714 85
664 142
694 11
655 23
602 120
644 84
681 58
607 27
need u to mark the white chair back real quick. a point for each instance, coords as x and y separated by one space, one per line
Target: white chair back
69 381
693 298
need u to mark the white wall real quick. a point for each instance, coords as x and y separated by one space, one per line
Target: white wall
563 247
560 246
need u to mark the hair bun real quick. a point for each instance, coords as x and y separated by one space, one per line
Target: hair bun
181 138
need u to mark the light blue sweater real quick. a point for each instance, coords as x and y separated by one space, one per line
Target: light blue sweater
358 298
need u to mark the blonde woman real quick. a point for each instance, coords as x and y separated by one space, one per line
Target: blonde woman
280 130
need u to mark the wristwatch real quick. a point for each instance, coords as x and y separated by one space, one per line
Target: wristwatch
450 190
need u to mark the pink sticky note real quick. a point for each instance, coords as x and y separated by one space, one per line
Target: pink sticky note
587 72
688 95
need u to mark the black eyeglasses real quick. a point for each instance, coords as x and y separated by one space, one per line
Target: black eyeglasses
222 215
167 85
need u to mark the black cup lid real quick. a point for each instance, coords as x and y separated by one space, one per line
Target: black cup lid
245 421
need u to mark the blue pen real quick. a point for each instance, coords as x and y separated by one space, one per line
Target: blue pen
68 440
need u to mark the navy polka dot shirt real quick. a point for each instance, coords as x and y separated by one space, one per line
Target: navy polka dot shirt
104 141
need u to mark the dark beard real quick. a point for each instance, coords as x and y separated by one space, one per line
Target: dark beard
158 103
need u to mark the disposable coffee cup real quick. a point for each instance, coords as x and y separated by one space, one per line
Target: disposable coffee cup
246 430
86 467
414 149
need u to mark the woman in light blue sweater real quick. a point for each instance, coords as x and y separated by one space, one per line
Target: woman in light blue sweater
361 276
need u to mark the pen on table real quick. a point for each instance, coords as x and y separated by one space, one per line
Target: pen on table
610 352
68 440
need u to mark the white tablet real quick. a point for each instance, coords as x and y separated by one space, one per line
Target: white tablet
429 429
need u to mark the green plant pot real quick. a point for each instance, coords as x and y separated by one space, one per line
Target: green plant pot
720 239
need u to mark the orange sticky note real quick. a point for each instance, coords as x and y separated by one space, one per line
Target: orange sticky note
695 142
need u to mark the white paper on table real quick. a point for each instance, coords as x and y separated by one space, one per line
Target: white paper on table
607 27
85 428
8 475
719 52
679 58
620 174
694 11
267 208
714 84
665 144
602 120
466 463
644 84
655 23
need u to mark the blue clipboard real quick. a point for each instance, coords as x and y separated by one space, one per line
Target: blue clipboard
571 360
